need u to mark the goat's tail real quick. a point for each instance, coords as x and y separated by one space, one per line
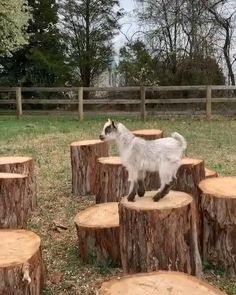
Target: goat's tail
180 139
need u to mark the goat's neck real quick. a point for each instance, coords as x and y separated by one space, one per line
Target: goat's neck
124 140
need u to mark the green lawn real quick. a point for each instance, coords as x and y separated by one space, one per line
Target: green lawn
47 140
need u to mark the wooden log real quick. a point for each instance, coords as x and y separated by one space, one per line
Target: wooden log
149 134
158 283
14 201
21 265
159 235
112 181
189 175
84 155
25 166
218 203
98 233
209 173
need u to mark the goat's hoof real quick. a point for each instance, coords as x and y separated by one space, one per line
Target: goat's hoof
158 197
131 198
141 193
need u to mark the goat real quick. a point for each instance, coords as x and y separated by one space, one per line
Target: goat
139 156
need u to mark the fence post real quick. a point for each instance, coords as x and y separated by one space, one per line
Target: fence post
18 103
81 103
208 102
143 105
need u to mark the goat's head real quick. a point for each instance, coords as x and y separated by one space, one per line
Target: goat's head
109 131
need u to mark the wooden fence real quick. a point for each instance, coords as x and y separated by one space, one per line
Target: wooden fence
208 100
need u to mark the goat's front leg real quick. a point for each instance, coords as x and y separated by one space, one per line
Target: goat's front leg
133 185
141 186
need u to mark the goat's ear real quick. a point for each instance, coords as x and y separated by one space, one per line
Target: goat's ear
113 124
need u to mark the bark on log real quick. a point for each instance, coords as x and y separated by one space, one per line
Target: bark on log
84 155
158 283
15 205
218 203
25 166
159 235
149 134
112 181
21 265
98 233
209 173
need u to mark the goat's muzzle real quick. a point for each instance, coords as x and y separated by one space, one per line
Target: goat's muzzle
101 137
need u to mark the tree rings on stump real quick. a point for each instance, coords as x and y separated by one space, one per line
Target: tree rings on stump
25 166
159 235
84 155
158 283
98 233
15 205
218 202
149 134
21 265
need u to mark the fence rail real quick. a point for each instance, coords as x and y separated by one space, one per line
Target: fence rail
208 100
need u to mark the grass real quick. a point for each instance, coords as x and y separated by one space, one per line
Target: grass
47 140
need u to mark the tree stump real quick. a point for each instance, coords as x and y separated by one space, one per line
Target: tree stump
84 155
159 235
149 134
21 265
158 283
209 173
218 203
112 181
22 165
98 233
15 205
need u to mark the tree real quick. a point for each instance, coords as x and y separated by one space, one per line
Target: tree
137 66
42 61
14 17
89 27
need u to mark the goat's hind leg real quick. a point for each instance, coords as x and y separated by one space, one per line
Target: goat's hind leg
163 191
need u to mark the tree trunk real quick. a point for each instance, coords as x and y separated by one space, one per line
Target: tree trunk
112 180
149 134
210 173
22 165
218 203
21 265
84 156
159 235
98 233
158 283
14 201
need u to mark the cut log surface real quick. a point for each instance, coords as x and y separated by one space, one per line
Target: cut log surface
84 156
209 173
158 283
112 181
22 165
159 235
15 205
218 202
149 134
98 233
21 265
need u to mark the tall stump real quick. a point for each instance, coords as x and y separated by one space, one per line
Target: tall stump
98 233
218 202
149 134
112 181
15 205
25 166
159 235
158 283
209 173
84 155
21 265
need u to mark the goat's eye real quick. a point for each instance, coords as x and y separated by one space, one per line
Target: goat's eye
108 129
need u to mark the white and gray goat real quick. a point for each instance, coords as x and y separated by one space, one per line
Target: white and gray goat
139 156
